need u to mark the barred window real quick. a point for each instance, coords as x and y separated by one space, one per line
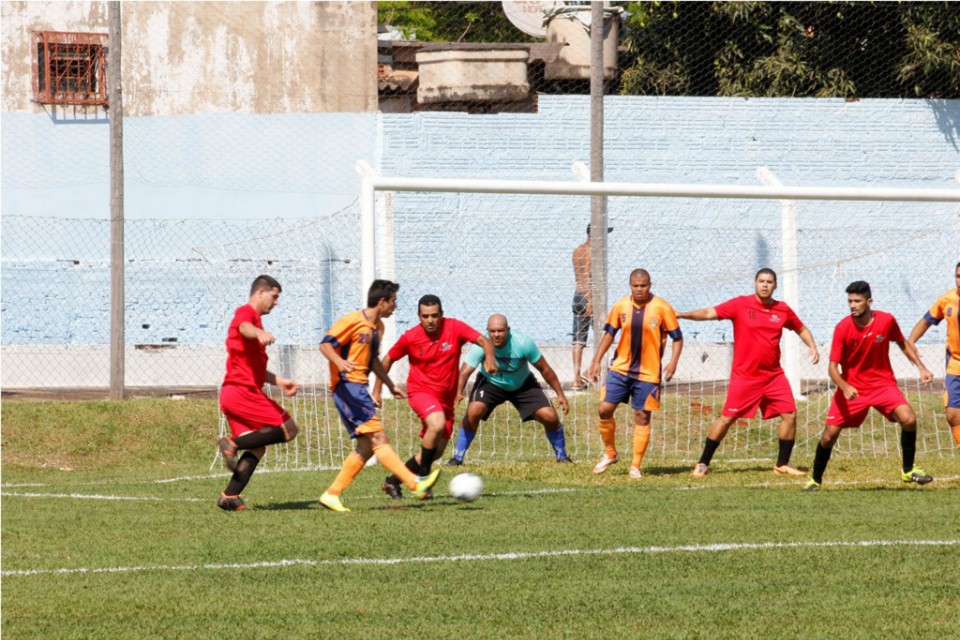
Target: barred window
70 68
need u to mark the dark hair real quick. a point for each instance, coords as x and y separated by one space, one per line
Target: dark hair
264 282
860 288
766 270
381 289
429 300
958 266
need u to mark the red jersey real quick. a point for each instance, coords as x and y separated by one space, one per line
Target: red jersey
246 357
757 329
434 362
863 353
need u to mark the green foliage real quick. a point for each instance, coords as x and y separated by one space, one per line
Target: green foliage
813 49
450 21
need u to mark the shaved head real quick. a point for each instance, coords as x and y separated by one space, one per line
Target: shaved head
497 321
639 273
498 329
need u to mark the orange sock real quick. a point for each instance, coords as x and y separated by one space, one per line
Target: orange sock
351 467
608 433
392 463
956 434
641 438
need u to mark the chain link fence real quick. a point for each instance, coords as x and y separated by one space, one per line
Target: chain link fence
219 198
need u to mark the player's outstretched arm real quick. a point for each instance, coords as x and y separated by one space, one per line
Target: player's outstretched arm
550 376
709 313
918 330
330 353
287 386
913 355
377 368
605 342
250 332
465 372
386 363
489 355
848 391
807 338
676 348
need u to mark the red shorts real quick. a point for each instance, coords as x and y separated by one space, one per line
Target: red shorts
773 396
850 414
423 404
249 409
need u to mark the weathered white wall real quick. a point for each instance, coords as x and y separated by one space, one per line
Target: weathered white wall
200 57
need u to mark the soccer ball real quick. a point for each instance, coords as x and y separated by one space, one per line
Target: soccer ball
466 487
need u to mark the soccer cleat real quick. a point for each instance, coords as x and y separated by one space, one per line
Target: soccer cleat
392 489
605 462
228 449
231 503
787 470
453 462
332 502
811 486
917 475
700 470
565 460
635 473
422 492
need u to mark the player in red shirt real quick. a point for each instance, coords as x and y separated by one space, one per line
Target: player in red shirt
756 378
255 420
433 349
861 347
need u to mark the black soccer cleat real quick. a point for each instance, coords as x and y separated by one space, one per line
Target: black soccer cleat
564 460
231 503
453 462
392 489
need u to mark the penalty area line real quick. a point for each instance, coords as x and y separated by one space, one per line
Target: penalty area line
518 555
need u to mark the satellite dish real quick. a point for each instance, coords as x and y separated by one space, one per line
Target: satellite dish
528 16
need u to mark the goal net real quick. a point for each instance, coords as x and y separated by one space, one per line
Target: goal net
511 254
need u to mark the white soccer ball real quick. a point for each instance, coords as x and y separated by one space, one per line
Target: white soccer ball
466 487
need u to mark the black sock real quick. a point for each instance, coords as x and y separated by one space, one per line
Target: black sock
411 464
908 442
820 461
709 448
426 460
245 468
786 448
260 438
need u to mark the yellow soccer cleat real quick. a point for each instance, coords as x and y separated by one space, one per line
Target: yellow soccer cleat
811 486
422 492
332 502
917 475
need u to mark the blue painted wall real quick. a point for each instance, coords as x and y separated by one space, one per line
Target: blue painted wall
262 180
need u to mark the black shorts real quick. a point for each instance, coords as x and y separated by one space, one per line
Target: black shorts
528 399
581 321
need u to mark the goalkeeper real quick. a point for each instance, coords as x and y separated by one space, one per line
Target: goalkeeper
513 382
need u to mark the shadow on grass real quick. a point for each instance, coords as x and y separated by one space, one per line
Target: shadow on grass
299 505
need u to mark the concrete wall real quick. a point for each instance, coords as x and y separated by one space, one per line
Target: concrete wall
201 57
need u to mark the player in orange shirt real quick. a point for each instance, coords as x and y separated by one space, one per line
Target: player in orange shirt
352 345
947 307
635 373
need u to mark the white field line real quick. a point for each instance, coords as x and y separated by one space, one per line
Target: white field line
519 555
87 496
546 491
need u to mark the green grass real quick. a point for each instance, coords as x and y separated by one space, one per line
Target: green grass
613 584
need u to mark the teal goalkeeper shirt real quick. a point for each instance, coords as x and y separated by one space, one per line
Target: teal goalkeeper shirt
512 359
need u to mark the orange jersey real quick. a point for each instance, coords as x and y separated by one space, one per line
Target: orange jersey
645 330
356 339
948 306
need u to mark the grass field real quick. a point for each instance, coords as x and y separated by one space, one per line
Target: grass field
109 530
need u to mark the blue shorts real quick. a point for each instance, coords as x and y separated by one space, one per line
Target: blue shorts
357 411
951 394
645 396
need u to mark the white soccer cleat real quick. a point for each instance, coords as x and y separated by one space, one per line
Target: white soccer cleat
635 473
605 462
